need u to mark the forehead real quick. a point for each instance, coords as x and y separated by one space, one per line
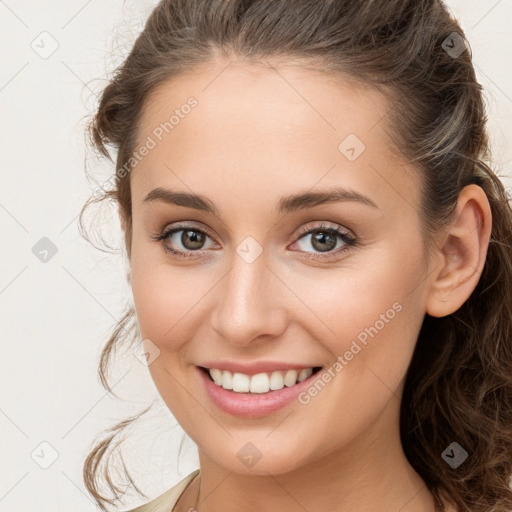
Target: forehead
253 128
266 98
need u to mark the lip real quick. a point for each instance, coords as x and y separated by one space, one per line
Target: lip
253 405
255 367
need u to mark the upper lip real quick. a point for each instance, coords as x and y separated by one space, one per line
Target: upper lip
254 367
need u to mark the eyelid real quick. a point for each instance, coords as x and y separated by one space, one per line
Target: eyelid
307 229
189 225
349 239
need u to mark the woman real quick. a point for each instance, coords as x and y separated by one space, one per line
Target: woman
319 255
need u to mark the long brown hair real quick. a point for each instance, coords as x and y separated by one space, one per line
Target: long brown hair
458 387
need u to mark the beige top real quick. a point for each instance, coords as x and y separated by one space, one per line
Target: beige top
166 501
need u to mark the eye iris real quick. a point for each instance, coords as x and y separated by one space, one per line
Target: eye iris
197 239
322 237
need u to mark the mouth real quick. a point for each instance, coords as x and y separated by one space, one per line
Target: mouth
261 383
257 395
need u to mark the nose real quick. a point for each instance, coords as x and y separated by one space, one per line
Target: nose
249 303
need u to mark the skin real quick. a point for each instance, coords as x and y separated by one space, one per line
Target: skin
259 133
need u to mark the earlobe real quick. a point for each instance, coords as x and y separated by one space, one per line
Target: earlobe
462 253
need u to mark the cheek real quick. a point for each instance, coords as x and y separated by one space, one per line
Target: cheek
168 298
162 300
376 303
166 301
374 314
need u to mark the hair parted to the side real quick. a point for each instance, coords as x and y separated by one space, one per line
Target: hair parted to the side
459 384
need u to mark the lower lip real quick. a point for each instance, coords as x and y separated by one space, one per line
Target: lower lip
253 405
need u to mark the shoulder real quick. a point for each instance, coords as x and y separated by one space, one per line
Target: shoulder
166 501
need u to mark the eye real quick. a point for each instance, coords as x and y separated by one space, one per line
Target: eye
183 240
187 238
325 238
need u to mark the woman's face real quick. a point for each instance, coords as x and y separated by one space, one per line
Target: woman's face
253 288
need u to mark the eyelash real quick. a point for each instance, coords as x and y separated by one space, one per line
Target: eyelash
349 240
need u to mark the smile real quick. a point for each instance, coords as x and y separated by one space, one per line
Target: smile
260 382
255 398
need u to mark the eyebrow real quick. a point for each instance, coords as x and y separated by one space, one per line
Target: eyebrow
286 204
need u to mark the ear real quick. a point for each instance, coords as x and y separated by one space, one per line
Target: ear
461 253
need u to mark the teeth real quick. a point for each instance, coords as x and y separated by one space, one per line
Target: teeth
259 383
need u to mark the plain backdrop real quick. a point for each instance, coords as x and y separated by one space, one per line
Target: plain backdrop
59 297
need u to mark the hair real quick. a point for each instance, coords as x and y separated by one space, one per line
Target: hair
458 387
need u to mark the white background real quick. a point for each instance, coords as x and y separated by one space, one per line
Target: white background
55 316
